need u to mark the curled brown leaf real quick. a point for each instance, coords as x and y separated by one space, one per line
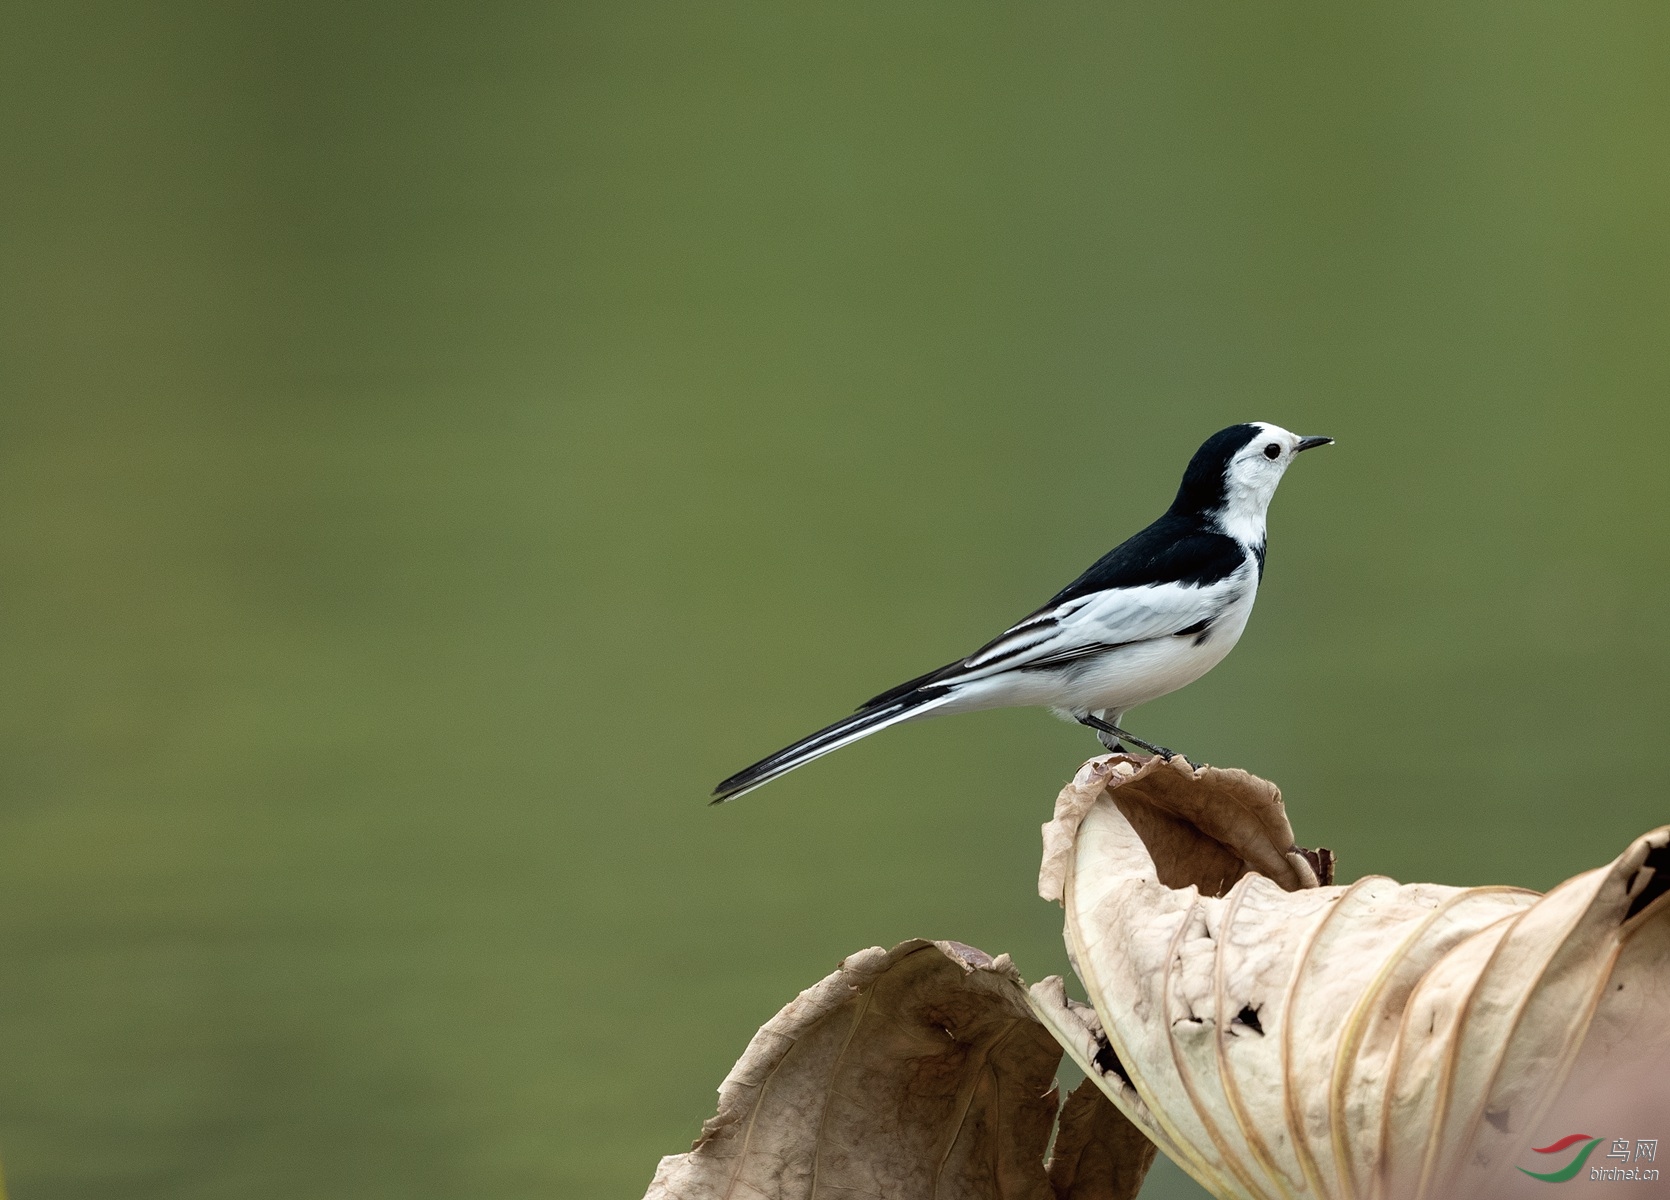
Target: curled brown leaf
1098 1153
912 1072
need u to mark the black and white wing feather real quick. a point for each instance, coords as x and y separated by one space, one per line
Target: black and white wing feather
1161 583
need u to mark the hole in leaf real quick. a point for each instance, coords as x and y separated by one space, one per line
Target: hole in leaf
1658 859
1107 1062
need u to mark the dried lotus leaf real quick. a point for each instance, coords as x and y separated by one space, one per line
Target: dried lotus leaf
917 1072
1199 826
1098 1154
1622 1072
1377 1042
1145 847
1548 1026
1356 937
1126 972
1362 1065
1264 936
1421 1060
1079 1030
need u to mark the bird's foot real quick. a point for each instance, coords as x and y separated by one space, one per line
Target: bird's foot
1109 734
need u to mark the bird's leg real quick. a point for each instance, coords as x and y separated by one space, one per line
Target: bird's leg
1107 719
1112 730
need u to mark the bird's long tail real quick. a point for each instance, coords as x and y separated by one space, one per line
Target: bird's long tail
862 723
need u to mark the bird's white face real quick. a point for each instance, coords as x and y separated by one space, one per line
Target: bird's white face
1251 478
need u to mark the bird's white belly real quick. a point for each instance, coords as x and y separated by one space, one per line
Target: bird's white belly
1131 675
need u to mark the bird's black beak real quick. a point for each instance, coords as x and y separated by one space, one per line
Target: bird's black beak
1311 443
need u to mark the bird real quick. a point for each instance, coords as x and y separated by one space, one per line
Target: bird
1151 616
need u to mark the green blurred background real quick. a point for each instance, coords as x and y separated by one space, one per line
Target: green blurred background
439 441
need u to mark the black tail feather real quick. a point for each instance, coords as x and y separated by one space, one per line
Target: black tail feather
904 690
832 737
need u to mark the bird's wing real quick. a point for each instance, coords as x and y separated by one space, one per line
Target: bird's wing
1102 621
1162 582
1091 624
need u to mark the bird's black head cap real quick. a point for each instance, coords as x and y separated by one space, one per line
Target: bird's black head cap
1204 490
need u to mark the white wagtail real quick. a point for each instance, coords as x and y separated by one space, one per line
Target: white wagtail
1152 615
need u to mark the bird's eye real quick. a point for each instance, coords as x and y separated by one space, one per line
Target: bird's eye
1272 451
